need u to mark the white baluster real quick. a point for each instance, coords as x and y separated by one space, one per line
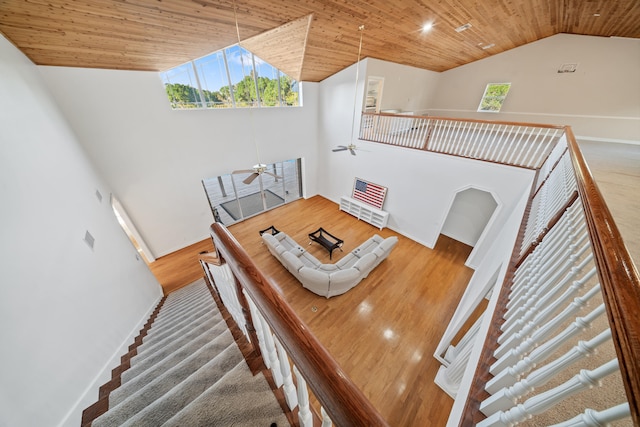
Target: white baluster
580 324
257 324
453 351
509 342
507 397
591 418
544 401
562 255
304 413
326 421
449 377
288 387
271 353
544 301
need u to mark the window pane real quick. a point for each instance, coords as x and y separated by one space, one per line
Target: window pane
290 91
241 71
213 79
267 83
494 96
181 87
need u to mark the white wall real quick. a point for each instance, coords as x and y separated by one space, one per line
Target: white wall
405 88
155 158
65 309
599 101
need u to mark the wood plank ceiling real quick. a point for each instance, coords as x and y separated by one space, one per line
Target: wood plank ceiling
160 34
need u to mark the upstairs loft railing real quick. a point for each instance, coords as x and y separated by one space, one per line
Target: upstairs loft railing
569 267
515 144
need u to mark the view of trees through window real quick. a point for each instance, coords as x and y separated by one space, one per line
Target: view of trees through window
229 78
494 96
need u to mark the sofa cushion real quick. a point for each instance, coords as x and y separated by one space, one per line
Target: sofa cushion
293 263
314 278
343 276
347 261
367 246
280 249
388 243
364 264
328 267
270 240
297 250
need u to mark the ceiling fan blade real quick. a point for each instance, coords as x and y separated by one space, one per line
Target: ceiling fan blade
353 152
250 178
273 175
244 171
340 148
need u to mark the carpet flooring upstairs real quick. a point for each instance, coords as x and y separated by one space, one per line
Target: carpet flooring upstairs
188 371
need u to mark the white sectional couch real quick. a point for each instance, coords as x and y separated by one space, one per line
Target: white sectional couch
329 280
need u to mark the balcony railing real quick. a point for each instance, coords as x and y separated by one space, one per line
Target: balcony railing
516 144
570 289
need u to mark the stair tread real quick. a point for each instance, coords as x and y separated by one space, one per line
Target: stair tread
179 382
173 307
144 377
164 331
139 365
239 399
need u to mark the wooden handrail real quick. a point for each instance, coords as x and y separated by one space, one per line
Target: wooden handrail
342 400
618 277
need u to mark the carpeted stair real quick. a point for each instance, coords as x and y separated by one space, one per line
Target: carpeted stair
188 371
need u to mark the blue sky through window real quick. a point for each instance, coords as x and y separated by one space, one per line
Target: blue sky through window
213 80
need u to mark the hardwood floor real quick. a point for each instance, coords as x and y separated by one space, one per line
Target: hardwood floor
384 331
181 267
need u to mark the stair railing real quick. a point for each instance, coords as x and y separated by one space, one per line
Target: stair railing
282 337
570 273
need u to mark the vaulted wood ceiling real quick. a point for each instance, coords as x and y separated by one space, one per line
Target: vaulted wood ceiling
160 34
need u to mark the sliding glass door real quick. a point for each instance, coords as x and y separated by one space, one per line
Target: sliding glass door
235 197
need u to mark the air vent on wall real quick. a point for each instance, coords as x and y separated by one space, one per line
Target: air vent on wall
88 239
568 68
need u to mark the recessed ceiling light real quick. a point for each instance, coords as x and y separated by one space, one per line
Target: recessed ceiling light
462 28
427 27
488 46
596 14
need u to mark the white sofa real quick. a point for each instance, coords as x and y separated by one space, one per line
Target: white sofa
329 280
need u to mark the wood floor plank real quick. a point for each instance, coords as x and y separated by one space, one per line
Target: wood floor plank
181 267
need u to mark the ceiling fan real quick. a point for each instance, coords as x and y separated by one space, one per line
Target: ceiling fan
350 147
257 170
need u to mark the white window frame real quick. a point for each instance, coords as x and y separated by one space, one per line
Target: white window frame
485 97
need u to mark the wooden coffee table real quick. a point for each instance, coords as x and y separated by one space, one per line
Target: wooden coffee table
326 240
